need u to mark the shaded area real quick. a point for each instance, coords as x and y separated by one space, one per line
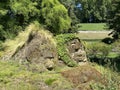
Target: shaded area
113 63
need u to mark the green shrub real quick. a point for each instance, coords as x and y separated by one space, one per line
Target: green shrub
50 81
62 50
98 49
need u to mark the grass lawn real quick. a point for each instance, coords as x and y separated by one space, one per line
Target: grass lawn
92 26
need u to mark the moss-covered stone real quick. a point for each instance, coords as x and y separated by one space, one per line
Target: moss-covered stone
70 49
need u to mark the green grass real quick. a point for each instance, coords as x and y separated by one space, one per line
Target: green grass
14 76
92 29
92 26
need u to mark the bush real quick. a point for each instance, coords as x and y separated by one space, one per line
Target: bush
62 50
50 81
98 50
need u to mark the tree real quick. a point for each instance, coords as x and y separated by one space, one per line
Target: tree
3 12
55 16
114 19
14 15
93 10
70 6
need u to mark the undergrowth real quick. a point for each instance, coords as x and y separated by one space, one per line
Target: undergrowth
112 79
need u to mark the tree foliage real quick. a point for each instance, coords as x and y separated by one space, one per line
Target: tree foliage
93 10
55 16
70 5
16 14
114 19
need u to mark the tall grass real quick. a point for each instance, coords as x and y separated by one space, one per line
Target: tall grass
112 79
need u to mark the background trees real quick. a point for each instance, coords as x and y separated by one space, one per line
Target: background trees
86 11
71 7
16 14
56 15
93 10
114 19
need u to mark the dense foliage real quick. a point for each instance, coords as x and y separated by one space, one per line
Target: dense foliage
114 19
87 10
16 14
93 10
58 16
97 50
70 5
55 16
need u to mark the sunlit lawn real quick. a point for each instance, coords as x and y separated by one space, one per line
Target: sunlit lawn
92 26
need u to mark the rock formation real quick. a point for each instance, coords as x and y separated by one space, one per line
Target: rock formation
77 51
39 49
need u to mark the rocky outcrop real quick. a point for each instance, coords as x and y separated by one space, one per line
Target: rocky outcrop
40 49
77 51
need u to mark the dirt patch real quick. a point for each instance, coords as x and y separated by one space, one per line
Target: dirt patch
82 76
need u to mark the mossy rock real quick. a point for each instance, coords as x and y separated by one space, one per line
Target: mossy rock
70 49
